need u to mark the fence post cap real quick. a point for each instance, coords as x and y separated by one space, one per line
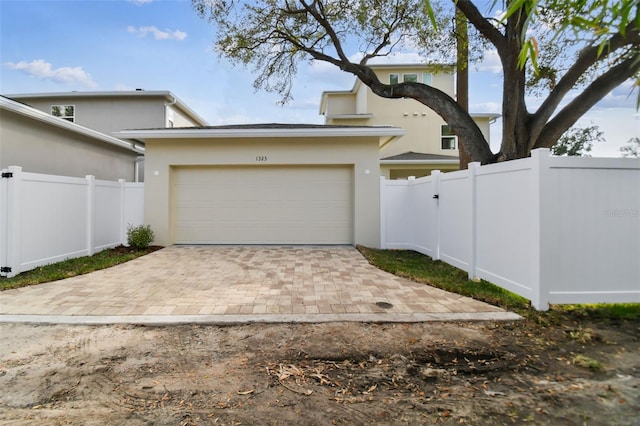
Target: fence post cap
541 152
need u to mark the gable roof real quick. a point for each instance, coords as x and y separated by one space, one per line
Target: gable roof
169 97
35 114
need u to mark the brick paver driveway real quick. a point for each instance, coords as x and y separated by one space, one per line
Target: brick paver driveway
212 284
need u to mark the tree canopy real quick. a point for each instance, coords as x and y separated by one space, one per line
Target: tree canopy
573 53
577 142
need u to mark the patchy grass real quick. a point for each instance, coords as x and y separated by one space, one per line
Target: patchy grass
620 311
72 267
418 267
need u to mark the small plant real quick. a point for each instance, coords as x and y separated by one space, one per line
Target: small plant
139 237
586 362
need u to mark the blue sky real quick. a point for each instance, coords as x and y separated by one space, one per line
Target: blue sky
85 45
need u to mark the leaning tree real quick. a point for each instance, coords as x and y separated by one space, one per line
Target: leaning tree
573 53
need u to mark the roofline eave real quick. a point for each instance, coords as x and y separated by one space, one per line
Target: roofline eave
196 133
417 162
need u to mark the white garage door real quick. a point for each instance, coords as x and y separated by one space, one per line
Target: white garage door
263 205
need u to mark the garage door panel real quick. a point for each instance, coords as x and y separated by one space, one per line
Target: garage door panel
263 205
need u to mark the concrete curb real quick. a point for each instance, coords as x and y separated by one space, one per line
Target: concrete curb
159 320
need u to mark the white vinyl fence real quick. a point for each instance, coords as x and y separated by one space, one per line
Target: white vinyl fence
551 229
46 219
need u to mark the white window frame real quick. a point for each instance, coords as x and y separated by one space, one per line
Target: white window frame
403 75
63 111
447 136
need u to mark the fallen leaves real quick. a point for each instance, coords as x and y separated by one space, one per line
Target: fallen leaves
286 372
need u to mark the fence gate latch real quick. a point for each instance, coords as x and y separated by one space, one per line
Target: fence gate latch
5 269
7 175
436 197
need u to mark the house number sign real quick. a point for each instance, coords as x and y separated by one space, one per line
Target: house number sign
261 158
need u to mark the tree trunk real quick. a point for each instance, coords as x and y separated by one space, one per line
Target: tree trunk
515 117
462 78
446 107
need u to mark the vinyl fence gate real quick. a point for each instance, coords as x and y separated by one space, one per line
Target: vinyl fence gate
551 229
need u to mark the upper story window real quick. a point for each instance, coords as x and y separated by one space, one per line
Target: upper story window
66 112
409 78
448 140
395 78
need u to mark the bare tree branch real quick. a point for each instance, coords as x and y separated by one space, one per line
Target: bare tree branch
587 58
483 25
568 116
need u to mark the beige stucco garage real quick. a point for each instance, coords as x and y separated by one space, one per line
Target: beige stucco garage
264 184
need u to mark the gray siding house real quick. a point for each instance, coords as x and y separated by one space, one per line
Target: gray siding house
41 143
109 112
70 133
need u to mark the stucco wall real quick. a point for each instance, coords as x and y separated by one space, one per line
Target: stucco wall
42 148
421 123
423 126
179 118
340 103
360 152
362 97
484 124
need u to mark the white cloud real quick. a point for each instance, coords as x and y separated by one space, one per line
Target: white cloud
492 107
319 68
328 75
618 125
623 96
140 2
490 62
43 70
157 33
399 58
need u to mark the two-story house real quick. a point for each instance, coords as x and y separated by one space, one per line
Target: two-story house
428 143
109 112
41 143
27 142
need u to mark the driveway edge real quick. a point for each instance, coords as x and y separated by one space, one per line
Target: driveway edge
159 320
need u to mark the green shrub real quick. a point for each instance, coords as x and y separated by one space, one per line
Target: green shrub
139 237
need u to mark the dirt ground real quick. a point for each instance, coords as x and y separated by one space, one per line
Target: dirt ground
571 373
